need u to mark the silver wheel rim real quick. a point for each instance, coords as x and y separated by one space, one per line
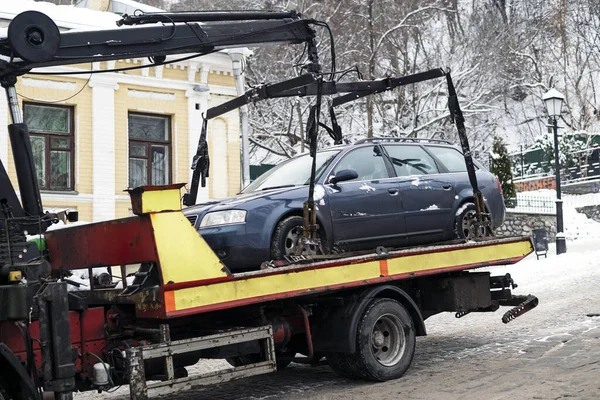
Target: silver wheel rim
388 340
291 241
467 225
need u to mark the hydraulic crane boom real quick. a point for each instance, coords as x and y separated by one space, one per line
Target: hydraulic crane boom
35 41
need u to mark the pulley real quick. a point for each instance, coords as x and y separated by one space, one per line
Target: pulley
34 36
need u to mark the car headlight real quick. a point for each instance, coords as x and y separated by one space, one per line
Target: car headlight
223 218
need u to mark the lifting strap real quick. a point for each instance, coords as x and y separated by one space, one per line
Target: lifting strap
200 166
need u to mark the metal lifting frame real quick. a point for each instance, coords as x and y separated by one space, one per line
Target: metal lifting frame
308 85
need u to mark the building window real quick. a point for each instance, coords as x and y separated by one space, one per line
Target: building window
149 149
51 131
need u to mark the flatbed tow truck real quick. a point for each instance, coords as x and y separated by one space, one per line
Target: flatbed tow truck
361 312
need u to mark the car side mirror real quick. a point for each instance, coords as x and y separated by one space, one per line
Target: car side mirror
343 175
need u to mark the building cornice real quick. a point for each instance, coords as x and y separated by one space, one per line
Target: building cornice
149 81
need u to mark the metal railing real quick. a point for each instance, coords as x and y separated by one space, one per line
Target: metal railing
531 204
538 203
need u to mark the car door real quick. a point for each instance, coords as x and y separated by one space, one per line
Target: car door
365 211
427 197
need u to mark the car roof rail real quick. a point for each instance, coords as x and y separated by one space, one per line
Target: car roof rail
402 140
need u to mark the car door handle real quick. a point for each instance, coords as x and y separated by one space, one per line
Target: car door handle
446 187
393 192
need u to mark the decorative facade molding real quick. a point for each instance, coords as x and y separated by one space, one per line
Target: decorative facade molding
144 94
49 84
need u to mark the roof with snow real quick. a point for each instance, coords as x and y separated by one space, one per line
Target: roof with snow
123 6
68 17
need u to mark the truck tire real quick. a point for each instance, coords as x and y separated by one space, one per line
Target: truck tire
385 344
342 365
254 358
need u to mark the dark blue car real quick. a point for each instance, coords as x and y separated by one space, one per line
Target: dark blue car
372 193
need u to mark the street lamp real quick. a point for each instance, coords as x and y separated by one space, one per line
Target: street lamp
238 57
554 100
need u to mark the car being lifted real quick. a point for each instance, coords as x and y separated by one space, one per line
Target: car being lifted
377 192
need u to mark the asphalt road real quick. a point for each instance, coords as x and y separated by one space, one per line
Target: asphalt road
552 352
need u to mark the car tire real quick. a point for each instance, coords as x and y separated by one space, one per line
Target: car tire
463 228
385 344
284 239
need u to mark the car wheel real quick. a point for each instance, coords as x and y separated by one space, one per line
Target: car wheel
464 224
286 236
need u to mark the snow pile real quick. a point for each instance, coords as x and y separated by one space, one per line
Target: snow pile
579 226
582 254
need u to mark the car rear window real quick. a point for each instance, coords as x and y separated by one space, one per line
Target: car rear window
411 160
452 159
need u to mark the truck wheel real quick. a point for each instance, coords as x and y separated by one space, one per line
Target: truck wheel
254 358
342 365
385 344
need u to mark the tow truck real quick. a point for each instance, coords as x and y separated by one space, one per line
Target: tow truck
361 312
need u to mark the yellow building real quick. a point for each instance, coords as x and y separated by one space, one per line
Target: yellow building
95 135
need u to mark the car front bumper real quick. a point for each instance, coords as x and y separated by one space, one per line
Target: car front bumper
232 245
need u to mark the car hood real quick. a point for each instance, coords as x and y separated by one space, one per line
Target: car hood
240 201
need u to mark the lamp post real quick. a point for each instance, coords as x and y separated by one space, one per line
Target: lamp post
522 168
554 100
237 58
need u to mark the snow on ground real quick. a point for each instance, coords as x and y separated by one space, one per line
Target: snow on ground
566 286
576 225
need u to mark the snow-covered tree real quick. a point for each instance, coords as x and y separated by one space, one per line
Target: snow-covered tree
501 167
574 149
504 55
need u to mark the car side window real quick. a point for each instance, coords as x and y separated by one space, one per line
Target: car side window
411 160
366 161
452 159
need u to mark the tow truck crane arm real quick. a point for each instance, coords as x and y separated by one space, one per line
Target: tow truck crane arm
34 41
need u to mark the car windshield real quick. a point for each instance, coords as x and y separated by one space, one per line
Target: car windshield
294 172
